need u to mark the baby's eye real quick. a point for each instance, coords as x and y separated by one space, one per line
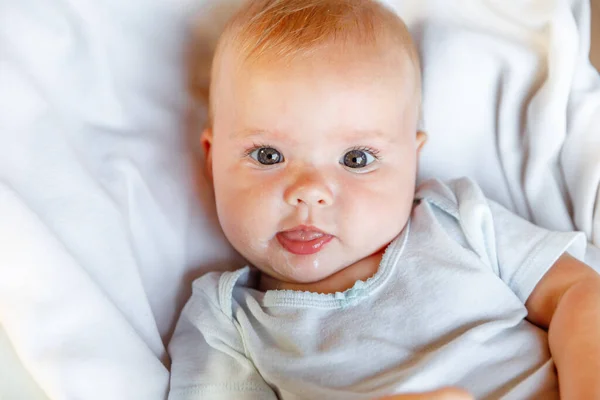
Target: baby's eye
356 159
267 155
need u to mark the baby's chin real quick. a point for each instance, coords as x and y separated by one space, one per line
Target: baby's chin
306 271
312 274
331 273
283 265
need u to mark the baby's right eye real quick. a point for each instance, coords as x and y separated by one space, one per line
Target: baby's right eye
266 155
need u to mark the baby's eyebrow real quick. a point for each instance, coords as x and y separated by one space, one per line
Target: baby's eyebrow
358 134
261 133
344 134
242 133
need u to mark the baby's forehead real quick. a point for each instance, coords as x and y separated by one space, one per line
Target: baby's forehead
351 61
260 94
342 102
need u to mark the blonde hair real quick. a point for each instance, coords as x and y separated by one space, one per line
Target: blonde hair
283 30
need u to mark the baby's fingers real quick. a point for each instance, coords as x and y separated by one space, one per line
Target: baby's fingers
449 393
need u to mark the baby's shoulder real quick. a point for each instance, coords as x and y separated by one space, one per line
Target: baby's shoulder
214 290
450 195
460 209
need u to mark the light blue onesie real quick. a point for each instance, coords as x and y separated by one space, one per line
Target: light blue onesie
446 307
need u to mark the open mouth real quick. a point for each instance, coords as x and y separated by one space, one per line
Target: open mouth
303 240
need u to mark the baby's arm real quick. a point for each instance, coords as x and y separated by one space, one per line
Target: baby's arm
441 394
567 303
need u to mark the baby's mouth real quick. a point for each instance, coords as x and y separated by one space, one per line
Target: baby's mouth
303 240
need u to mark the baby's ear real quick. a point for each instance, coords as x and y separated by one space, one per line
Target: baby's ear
421 140
206 141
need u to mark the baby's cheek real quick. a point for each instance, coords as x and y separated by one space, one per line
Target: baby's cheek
373 220
247 220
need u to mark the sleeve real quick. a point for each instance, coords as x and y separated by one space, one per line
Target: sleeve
525 252
207 352
519 252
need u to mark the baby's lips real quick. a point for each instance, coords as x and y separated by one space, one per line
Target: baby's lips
303 242
302 235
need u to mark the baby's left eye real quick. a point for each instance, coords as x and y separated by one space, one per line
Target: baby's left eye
357 159
266 155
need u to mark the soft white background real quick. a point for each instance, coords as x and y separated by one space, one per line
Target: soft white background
101 224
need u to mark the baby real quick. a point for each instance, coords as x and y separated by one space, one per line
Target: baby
358 287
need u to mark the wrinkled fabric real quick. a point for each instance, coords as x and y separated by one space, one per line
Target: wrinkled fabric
103 223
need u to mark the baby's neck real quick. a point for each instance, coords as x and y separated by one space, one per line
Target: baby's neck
338 282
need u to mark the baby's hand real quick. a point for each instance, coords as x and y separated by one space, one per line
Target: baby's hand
449 393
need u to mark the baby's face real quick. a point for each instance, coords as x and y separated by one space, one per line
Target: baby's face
314 164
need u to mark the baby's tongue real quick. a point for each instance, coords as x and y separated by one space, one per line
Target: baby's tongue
301 235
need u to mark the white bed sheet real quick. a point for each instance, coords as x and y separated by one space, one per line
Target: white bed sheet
537 149
101 230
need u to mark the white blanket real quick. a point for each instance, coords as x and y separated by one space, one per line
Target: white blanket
512 101
101 230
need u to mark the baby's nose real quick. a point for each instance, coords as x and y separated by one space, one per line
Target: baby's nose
310 189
